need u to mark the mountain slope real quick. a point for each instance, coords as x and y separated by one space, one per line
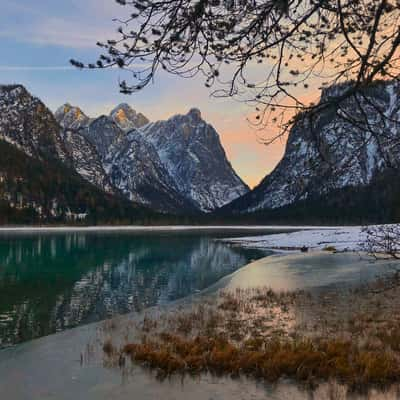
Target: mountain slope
172 165
102 132
47 191
29 125
63 153
86 160
193 155
334 150
131 164
375 203
135 168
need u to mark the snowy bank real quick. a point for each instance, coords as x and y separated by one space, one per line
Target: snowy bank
341 238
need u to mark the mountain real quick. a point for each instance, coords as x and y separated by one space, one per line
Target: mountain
50 171
34 190
102 132
83 155
131 164
191 151
135 168
177 165
29 125
86 160
127 118
70 117
339 150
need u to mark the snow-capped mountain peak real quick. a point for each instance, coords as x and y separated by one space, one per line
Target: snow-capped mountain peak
71 117
173 166
191 150
127 118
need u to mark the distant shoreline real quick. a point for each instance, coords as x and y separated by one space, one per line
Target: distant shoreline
159 228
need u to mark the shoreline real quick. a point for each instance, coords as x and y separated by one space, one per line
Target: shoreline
99 374
299 337
158 228
340 239
270 336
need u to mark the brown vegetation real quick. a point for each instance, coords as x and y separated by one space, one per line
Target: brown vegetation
351 337
303 360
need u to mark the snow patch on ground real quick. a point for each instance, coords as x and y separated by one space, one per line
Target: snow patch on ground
342 238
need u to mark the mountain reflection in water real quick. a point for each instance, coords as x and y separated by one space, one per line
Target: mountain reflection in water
51 282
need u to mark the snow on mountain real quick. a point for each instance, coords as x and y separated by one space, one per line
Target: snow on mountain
102 132
335 149
130 163
181 160
29 125
85 157
70 117
86 160
193 155
127 118
134 167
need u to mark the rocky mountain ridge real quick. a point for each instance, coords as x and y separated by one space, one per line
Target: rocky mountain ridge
131 163
192 153
28 124
173 166
127 118
335 149
178 164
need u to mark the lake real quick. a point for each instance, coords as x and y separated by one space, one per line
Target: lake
50 282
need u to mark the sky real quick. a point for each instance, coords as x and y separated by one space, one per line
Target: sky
38 38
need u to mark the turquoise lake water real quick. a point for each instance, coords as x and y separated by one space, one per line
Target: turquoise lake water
52 282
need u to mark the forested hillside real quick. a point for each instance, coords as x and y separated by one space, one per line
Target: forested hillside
47 191
377 202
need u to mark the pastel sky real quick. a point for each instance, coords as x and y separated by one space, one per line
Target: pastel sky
37 38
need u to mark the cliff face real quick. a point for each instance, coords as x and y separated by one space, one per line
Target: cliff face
29 125
334 149
135 168
86 160
49 171
193 155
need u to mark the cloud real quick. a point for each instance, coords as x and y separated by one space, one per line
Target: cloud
35 68
77 24
58 32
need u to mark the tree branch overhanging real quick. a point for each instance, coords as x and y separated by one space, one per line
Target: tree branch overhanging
264 52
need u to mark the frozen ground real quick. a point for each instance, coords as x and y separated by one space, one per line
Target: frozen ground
316 238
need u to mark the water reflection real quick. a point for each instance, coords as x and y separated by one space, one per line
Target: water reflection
49 283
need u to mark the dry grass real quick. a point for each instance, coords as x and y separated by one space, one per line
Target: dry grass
302 360
352 337
109 349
